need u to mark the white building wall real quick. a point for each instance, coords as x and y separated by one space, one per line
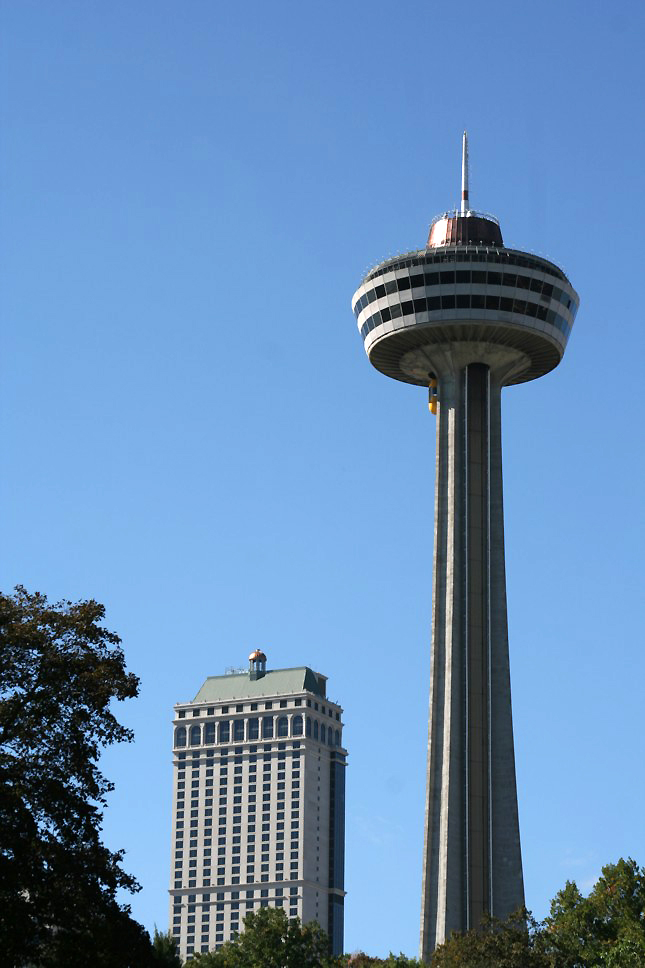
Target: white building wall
250 818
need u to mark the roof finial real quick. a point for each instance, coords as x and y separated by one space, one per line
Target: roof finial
465 205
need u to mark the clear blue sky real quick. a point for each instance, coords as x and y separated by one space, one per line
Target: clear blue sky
192 434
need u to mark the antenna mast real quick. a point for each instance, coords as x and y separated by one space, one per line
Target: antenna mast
465 205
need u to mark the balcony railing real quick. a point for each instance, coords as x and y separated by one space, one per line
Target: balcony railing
471 213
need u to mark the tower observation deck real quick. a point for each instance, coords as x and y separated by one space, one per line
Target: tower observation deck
466 316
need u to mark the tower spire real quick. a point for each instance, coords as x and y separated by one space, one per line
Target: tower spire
465 205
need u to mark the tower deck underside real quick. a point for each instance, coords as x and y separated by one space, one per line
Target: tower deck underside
465 294
472 859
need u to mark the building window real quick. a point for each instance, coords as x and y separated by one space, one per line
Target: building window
195 735
209 733
297 725
224 731
315 729
283 726
238 730
337 738
323 733
308 726
267 727
180 736
254 728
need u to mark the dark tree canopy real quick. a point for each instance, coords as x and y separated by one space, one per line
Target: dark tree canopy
60 671
514 943
361 960
606 929
272 940
166 950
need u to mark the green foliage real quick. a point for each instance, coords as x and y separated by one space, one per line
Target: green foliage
166 950
361 960
514 943
604 930
607 928
60 671
271 940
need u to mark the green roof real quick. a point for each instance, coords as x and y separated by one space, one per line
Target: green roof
275 682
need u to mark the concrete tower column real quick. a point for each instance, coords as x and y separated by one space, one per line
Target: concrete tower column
472 860
464 317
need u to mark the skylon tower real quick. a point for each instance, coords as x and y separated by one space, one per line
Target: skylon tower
466 316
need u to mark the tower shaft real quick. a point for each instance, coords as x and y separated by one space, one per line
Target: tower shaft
472 860
465 317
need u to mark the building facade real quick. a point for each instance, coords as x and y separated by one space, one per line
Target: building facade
258 805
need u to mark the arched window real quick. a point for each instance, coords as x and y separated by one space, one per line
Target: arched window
323 733
224 731
267 727
283 726
238 730
254 728
315 729
195 735
297 725
330 737
337 738
308 726
209 733
180 736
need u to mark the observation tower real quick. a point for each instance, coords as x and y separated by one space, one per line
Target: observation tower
464 317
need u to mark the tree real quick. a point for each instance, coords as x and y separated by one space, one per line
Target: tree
166 950
607 928
60 671
271 940
361 960
604 930
514 943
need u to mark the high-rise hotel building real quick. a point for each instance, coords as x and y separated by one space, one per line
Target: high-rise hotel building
258 805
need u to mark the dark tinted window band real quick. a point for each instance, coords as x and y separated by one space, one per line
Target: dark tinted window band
500 256
434 303
476 277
